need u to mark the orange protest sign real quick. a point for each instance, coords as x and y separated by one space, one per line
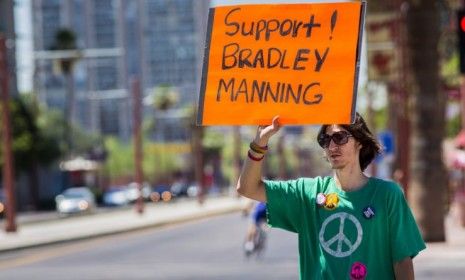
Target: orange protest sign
298 61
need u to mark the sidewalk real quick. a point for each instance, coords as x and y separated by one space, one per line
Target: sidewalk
444 260
75 228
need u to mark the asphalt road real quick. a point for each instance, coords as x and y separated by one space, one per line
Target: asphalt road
207 249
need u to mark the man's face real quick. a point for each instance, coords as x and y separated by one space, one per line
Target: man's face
343 150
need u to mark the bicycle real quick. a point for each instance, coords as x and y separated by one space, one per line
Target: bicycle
258 245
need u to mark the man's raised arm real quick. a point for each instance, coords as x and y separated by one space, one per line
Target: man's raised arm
250 182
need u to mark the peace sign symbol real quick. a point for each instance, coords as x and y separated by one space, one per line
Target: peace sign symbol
340 238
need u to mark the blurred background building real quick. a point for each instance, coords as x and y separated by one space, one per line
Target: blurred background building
7 29
159 42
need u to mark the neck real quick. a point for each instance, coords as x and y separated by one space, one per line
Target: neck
350 179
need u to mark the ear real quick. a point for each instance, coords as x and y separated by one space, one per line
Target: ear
358 145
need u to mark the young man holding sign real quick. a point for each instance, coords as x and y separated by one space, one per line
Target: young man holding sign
350 226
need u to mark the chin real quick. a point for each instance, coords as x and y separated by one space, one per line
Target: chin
336 166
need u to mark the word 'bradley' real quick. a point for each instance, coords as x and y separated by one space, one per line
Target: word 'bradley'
264 28
265 91
234 56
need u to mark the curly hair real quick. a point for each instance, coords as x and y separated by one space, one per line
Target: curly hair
361 133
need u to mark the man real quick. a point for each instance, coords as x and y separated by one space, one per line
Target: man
257 220
349 225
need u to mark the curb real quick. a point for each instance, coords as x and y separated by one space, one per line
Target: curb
200 212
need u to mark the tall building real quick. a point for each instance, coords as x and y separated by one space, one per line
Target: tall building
98 72
159 42
7 31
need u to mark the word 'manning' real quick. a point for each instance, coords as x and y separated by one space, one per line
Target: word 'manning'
265 91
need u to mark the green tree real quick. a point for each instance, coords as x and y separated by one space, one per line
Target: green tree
31 145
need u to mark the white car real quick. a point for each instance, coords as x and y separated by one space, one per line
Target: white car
75 200
115 197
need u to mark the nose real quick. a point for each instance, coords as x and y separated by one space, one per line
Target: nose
332 145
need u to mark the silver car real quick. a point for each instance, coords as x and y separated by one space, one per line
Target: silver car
75 200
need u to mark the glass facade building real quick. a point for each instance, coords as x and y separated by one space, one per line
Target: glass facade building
159 42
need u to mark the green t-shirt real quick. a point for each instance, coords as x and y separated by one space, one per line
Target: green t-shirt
345 235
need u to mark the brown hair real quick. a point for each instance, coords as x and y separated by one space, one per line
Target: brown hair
361 133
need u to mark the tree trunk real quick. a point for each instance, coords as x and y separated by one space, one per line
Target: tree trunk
428 180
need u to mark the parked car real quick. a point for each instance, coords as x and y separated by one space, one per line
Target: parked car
161 193
193 191
75 200
179 188
115 196
132 191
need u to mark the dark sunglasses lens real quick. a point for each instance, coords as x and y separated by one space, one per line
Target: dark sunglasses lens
341 138
324 140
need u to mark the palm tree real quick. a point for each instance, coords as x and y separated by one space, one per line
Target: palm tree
428 178
65 39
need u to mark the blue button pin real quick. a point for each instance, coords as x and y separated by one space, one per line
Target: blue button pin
369 212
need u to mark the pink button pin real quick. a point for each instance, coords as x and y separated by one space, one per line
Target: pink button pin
358 271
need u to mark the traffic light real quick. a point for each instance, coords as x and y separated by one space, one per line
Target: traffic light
461 39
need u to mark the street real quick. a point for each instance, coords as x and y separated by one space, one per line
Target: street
209 249
205 249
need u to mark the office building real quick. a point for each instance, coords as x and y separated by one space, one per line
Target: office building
159 42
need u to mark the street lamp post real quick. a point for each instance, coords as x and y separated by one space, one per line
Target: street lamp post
8 168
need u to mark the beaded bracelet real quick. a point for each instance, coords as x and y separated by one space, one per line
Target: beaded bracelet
254 158
258 149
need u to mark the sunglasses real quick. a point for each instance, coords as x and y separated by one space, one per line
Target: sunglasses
339 138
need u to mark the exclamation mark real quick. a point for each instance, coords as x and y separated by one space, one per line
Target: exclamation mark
333 23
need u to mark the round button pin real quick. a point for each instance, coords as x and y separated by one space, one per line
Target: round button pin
369 212
332 200
320 199
358 271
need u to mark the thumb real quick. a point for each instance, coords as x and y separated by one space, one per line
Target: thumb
275 123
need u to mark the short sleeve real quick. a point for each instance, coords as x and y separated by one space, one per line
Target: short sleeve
284 204
405 237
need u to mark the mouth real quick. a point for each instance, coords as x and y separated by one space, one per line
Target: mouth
334 156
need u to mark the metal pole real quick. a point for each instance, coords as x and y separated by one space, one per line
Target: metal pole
137 143
8 167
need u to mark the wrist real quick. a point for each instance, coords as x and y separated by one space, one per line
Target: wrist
257 148
261 142
255 156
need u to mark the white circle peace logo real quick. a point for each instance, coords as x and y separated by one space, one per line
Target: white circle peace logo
340 238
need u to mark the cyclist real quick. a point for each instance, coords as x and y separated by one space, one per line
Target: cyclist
258 218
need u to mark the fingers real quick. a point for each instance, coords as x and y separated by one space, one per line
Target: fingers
275 123
264 132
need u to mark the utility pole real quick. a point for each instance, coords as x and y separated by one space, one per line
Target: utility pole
8 167
137 138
